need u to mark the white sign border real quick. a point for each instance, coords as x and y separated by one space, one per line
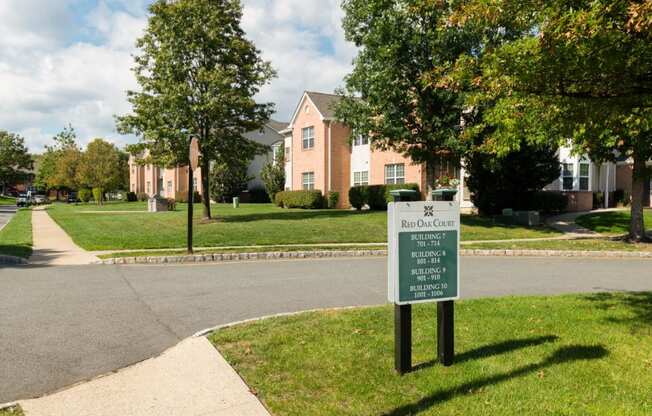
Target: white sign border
392 249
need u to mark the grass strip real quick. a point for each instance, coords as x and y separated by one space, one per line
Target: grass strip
16 237
570 355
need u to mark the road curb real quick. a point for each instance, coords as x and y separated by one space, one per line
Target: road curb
11 261
317 254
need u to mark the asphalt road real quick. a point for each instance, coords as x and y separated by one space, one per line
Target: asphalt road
62 325
6 212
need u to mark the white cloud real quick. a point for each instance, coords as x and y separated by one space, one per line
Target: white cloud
57 67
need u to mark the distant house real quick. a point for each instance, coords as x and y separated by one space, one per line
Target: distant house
319 154
173 182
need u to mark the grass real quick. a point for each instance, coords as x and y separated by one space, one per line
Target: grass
569 355
613 222
12 411
16 237
5 200
92 228
593 244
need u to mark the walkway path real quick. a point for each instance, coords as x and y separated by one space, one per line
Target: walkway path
189 379
52 246
567 225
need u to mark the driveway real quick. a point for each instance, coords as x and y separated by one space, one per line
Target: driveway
61 325
6 212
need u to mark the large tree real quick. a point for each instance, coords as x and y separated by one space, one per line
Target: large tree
198 75
100 167
51 173
394 93
581 70
14 158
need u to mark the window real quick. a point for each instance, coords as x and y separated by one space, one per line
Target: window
360 140
170 189
149 188
308 135
395 174
585 168
308 181
360 178
567 176
194 184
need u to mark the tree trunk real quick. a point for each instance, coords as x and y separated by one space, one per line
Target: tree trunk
206 197
637 225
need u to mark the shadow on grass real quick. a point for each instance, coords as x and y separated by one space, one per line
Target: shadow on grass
638 303
287 215
563 355
494 349
15 250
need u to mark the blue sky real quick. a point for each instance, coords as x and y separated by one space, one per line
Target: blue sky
68 61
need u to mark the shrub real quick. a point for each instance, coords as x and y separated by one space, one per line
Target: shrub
228 179
98 195
333 199
621 197
181 197
142 196
299 199
376 197
196 197
598 200
273 174
172 204
85 195
358 196
132 197
258 196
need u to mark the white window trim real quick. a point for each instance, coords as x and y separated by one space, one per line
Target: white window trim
308 185
309 139
359 180
394 177
576 176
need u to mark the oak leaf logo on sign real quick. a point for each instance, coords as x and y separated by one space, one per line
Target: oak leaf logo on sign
428 211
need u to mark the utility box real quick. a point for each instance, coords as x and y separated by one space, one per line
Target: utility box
157 204
527 218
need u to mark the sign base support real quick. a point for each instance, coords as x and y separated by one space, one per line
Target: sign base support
403 338
446 332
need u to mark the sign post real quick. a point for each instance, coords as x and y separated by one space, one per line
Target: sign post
194 163
423 266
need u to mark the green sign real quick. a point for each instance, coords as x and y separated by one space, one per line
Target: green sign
427 265
423 252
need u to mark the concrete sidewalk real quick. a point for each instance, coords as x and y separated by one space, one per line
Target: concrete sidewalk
191 379
52 246
567 225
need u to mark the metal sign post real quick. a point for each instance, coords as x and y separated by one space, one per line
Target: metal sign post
194 163
423 266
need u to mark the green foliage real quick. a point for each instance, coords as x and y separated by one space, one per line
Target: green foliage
509 181
376 196
101 166
567 69
229 179
58 165
198 74
85 195
544 201
357 196
333 199
300 199
132 197
273 174
14 158
389 95
98 195
142 196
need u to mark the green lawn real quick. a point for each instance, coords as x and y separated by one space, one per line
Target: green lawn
13 411
93 228
5 200
16 237
570 355
614 222
598 244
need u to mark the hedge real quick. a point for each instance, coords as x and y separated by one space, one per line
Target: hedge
299 199
376 196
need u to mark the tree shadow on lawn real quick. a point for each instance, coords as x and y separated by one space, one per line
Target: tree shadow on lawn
15 250
493 349
638 303
563 355
287 215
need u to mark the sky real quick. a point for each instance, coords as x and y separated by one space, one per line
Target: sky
69 61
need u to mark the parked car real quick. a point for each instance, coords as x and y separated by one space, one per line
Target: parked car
72 198
23 200
40 199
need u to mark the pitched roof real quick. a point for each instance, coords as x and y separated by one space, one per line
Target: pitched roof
277 125
325 103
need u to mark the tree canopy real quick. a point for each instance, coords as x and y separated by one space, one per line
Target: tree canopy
578 71
14 158
198 75
100 167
